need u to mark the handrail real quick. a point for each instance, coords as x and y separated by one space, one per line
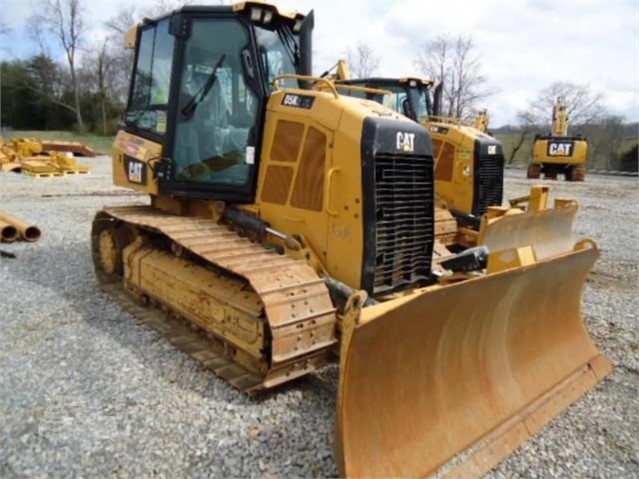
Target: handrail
377 91
449 119
331 86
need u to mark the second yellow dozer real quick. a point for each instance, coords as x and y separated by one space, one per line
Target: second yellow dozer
469 172
287 225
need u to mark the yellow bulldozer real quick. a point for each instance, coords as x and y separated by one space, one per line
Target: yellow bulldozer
469 169
287 225
558 153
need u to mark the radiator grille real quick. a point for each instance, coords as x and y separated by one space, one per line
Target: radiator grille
404 218
490 183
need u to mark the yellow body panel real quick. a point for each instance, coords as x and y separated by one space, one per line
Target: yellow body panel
128 146
334 232
453 149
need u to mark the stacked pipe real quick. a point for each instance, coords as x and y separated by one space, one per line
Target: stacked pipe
12 229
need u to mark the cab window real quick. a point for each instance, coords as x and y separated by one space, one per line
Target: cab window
152 77
216 109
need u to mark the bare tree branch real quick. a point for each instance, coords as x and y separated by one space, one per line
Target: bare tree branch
452 62
583 105
362 60
63 19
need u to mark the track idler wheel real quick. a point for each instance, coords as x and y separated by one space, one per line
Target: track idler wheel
108 239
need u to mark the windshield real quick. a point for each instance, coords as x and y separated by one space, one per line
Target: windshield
420 100
279 54
217 109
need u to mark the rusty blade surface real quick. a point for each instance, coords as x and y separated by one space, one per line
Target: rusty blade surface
548 231
427 377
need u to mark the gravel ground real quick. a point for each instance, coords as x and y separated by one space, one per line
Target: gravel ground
85 390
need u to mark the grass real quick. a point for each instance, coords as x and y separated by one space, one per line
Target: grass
100 144
524 155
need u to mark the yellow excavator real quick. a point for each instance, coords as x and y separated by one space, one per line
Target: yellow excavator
469 169
288 224
481 121
558 153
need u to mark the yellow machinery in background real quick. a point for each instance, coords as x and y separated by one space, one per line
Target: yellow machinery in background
32 157
287 224
469 167
481 121
558 153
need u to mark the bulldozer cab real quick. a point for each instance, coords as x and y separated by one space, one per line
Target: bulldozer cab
201 79
411 96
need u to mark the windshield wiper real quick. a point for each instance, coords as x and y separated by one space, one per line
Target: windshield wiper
190 107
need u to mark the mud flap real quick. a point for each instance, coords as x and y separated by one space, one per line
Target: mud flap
549 231
451 380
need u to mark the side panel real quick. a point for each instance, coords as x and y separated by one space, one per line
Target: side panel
295 162
469 168
132 162
454 166
345 202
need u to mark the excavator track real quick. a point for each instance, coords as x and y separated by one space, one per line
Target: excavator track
257 318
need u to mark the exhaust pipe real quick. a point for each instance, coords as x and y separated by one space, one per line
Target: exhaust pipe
26 231
8 233
437 99
306 47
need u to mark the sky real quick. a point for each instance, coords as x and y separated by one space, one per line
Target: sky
523 46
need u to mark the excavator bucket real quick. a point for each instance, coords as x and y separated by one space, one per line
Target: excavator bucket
548 230
450 380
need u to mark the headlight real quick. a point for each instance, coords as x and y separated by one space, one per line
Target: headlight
256 14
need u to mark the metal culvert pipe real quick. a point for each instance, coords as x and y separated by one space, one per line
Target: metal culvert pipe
27 232
8 232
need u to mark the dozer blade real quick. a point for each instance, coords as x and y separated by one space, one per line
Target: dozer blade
548 231
476 367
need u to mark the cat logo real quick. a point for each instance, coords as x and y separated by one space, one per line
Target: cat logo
405 141
135 170
492 149
560 149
